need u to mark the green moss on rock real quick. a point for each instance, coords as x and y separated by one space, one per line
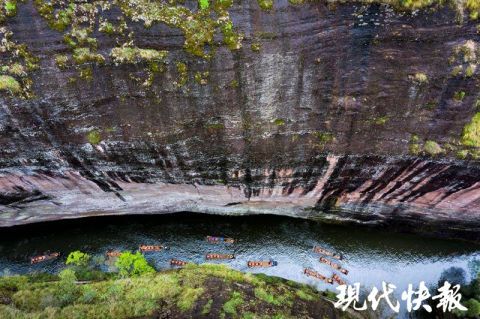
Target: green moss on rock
471 132
61 60
85 55
201 77
132 55
432 148
459 95
10 84
266 5
94 137
182 71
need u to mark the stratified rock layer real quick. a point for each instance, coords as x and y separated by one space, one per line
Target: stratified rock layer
317 124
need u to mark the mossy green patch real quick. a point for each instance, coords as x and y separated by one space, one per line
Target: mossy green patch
85 55
266 5
61 60
182 71
470 70
10 84
256 47
279 122
233 303
471 132
188 298
201 77
414 145
432 148
134 55
94 137
420 78
203 4
10 8
207 308
324 137
381 120
459 95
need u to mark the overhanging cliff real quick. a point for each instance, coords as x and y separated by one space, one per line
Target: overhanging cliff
343 112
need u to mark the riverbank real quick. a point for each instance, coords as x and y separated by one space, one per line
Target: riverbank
203 291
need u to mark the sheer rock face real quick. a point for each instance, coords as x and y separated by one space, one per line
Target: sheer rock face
317 124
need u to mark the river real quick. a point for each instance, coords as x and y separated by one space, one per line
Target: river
371 256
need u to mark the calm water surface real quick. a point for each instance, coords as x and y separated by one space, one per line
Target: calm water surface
371 256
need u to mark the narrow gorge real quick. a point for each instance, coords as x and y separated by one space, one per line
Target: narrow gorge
339 111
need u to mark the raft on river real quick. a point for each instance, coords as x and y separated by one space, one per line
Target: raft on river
38 259
338 280
219 256
176 262
269 263
333 265
113 253
313 273
323 251
150 248
215 240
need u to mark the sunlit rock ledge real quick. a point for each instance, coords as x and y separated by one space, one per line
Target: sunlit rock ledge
406 194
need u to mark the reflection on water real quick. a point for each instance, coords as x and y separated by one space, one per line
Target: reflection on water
370 255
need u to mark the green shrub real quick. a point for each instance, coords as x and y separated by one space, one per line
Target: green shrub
203 4
129 264
77 258
68 290
10 8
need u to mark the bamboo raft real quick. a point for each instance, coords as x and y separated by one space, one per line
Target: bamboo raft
270 263
113 253
323 251
333 265
338 280
216 240
313 273
219 256
176 262
38 259
150 248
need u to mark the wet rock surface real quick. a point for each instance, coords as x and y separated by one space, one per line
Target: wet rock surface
317 123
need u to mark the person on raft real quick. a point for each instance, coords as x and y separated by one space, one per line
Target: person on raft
215 240
176 262
148 248
269 263
48 256
219 256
